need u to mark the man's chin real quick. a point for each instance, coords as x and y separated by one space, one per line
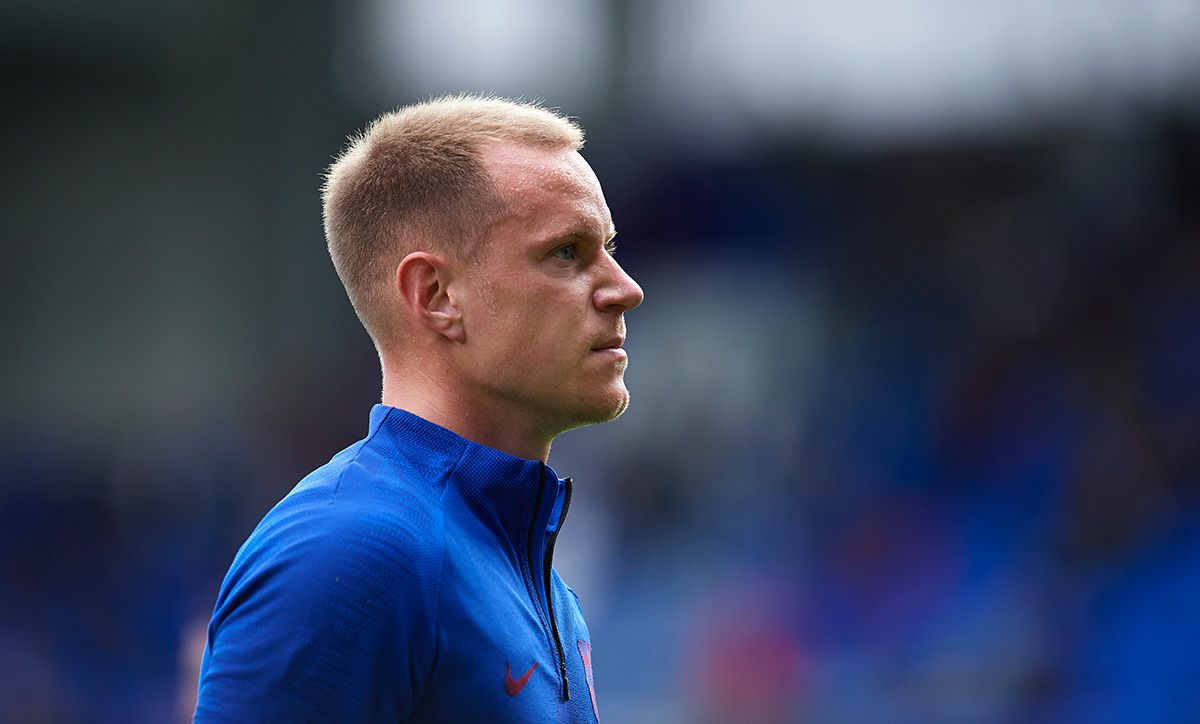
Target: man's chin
600 410
616 410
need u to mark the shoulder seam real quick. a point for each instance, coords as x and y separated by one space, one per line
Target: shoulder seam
338 485
437 594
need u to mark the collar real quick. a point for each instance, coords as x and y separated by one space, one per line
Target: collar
523 501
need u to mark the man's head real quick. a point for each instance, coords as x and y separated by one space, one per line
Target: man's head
415 179
471 235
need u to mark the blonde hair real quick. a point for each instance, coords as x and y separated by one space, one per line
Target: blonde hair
416 175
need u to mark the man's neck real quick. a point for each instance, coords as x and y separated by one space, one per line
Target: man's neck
431 398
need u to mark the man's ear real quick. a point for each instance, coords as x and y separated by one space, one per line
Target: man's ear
424 283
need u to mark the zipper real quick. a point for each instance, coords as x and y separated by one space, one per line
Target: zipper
538 528
548 578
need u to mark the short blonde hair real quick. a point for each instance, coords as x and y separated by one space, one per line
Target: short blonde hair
416 176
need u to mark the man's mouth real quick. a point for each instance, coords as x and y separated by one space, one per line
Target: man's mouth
615 342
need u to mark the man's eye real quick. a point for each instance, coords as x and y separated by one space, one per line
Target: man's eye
565 252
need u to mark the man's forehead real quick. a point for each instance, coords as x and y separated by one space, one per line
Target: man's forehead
532 178
517 167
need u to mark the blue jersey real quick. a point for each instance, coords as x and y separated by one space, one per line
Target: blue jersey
409 579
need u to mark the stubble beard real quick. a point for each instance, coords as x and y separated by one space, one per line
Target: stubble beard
601 411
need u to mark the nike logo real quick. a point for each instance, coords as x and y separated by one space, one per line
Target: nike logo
514 686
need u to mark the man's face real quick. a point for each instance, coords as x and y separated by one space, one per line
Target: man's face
543 309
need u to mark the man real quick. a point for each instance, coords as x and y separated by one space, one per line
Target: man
410 578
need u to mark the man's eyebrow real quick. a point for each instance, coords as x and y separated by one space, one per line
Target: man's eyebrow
583 233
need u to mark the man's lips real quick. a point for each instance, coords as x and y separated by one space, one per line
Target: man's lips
610 343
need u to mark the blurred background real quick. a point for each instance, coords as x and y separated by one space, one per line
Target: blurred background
915 434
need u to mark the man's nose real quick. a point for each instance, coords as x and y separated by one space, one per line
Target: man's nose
619 291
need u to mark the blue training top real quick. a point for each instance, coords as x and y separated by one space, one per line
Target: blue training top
408 579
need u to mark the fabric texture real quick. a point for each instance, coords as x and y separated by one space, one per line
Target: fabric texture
408 579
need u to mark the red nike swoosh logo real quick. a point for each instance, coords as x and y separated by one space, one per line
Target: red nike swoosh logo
513 687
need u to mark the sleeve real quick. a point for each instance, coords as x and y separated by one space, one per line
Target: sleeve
322 621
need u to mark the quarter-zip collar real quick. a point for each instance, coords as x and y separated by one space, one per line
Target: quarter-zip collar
522 501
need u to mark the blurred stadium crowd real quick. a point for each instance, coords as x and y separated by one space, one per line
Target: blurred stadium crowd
915 433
